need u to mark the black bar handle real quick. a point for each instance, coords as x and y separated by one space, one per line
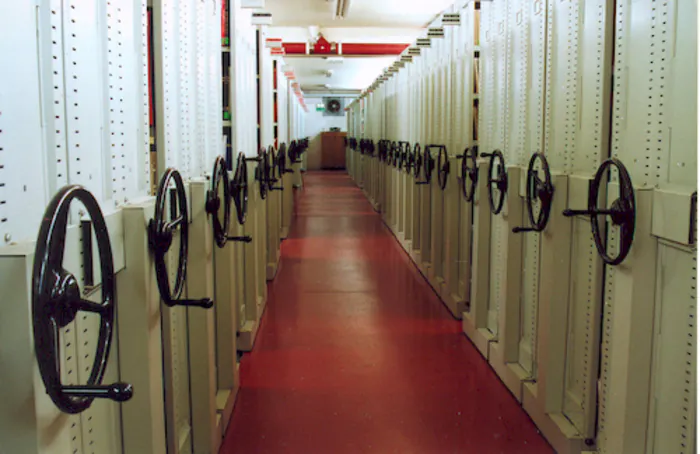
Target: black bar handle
523 229
570 213
276 188
205 303
258 159
693 217
486 155
118 392
86 240
241 239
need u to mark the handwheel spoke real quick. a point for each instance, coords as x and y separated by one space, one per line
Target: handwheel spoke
175 223
84 305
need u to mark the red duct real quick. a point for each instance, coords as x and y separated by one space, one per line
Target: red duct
373 49
350 49
294 48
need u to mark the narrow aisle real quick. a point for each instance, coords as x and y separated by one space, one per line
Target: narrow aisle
357 354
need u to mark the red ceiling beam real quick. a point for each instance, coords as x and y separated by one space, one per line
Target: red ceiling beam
354 49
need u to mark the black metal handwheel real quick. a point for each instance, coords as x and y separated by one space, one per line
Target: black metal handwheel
410 158
443 165
161 231
395 154
57 299
622 212
282 161
428 166
272 168
294 152
404 149
418 161
219 182
538 190
499 181
261 171
470 172
239 189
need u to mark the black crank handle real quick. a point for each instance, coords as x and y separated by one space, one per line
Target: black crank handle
486 155
118 392
524 229
258 159
279 188
204 303
570 213
241 239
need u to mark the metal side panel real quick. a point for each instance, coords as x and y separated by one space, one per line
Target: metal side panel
272 233
260 211
674 387
140 337
583 332
476 324
654 127
86 59
167 86
529 303
628 334
127 98
497 83
250 261
464 256
100 425
437 234
24 154
452 246
425 211
202 325
562 84
176 368
38 428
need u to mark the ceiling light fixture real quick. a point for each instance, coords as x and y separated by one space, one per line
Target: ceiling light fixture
341 9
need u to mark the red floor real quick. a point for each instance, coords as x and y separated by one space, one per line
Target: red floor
356 354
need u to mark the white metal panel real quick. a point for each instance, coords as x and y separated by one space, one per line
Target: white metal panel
21 107
673 412
654 134
495 85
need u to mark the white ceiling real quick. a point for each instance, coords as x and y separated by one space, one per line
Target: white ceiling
367 21
353 73
362 13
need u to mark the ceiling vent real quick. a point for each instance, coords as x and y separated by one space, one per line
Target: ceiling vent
262 18
451 19
436 32
414 51
423 42
333 107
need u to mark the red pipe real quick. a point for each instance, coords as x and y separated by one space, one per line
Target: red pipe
373 49
294 48
351 48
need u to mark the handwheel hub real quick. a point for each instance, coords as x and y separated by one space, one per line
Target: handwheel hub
65 291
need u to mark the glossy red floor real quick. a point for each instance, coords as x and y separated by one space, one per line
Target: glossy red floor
357 355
